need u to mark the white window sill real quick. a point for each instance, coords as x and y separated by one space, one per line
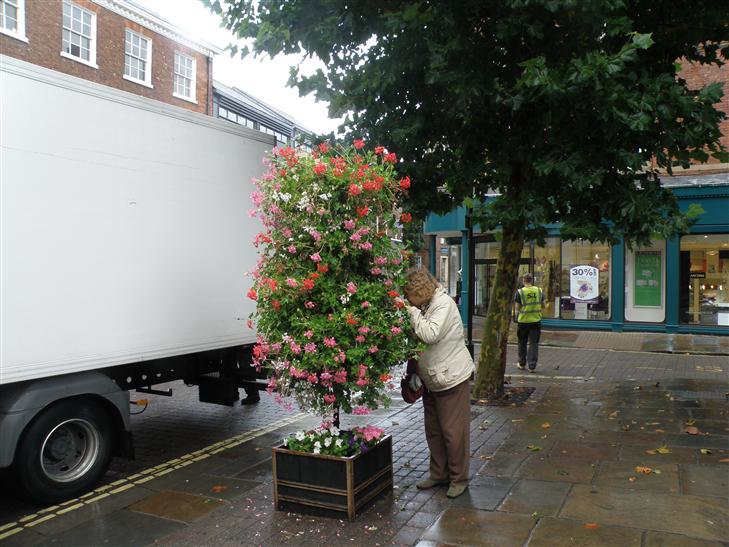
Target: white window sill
140 82
79 60
16 35
188 99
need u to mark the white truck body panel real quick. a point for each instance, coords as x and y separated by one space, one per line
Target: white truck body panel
125 228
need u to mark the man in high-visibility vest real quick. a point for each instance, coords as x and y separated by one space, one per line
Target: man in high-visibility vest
529 302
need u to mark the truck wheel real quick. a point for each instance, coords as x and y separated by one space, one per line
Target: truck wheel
65 451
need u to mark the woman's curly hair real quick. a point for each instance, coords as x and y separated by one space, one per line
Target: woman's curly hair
420 283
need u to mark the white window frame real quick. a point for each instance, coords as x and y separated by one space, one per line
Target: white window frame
147 62
92 38
193 82
19 33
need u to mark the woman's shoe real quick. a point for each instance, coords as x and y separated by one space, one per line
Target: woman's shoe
456 489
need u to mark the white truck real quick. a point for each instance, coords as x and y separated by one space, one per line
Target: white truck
124 246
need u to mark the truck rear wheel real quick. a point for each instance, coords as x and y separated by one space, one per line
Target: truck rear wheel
64 451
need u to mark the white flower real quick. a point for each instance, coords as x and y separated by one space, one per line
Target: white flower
328 442
344 298
300 436
317 450
334 431
286 441
317 444
325 196
338 443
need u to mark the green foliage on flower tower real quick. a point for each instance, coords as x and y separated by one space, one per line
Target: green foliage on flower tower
329 316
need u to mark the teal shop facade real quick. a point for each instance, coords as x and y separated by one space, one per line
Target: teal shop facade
679 285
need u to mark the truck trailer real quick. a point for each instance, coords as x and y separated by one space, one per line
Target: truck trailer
123 254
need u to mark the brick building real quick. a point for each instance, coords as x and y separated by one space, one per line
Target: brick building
112 42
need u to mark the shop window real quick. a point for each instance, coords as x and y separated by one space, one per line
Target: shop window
645 275
454 271
704 279
585 280
546 275
443 271
486 254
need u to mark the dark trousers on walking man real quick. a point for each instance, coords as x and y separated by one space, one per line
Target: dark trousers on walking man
528 335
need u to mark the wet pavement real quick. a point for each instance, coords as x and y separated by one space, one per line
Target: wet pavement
613 448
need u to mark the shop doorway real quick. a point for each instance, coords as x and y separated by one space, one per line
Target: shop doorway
484 276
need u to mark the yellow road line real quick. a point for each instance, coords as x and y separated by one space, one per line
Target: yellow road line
140 477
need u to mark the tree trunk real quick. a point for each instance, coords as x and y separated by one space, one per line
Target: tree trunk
489 381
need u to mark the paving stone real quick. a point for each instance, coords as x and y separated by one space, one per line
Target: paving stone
176 506
699 517
557 469
503 463
462 526
212 486
530 496
484 493
677 454
118 528
662 539
619 474
705 480
551 532
585 450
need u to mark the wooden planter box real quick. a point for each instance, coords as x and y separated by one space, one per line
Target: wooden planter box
331 482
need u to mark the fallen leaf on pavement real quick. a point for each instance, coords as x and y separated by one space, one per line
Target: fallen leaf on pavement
632 479
591 526
613 415
657 471
484 458
643 470
690 422
663 450
546 425
638 388
651 452
705 451
517 420
660 431
691 430
724 460
218 488
534 447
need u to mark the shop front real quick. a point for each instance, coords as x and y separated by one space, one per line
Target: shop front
677 285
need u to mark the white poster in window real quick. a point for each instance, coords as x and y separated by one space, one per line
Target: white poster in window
584 284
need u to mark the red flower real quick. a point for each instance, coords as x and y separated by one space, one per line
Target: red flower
314 275
399 304
405 183
276 304
362 211
359 144
308 284
324 147
391 157
351 320
406 217
393 294
320 168
322 268
354 190
379 149
252 294
385 377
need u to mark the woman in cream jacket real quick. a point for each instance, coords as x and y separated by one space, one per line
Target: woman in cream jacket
445 368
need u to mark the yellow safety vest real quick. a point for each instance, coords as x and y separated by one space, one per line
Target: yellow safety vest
530 299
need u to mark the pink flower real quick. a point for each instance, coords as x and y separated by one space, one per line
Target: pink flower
340 357
355 236
316 235
309 333
373 349
286 232
340 376
330 398
315 257
388 282
349 224
311 346
291 282
366 246
360 410
295 348
292 249
364 330
354 190
365 304
359 339
325 376
375 271
362 370
312 379
380 260
395 330
309 305
370 432
362 382
351 288
330 342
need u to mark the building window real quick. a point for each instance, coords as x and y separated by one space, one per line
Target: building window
704 279
454 271
79 34
547 274
184 81
645 282
12 18
137 58
585 280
